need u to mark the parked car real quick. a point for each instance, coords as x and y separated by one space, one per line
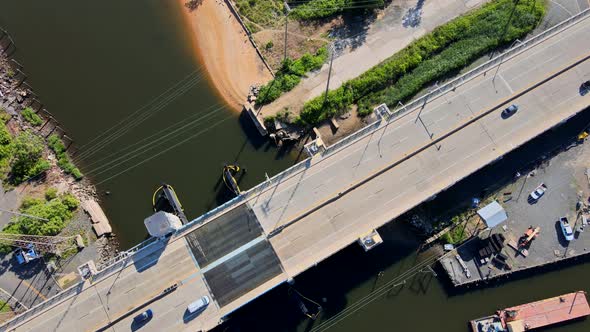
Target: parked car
568 233
509 111
586 85
538 192
143 317
198 305
25 255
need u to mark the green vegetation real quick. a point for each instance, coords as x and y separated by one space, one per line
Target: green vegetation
51 193
290 75
263 12
315 9
63 160
4 307
269 45
438 54
58 211
27 157
457 234
5 149
31 117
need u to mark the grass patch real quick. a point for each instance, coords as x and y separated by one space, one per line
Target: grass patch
263 12
58 211
456 235
4 307
440 53
5 150
31 117
290 75
63 160
316 9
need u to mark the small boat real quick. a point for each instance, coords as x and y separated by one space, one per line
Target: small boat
229 174
300 301
165 199
535 315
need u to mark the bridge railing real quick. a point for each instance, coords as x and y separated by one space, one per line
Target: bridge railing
453 84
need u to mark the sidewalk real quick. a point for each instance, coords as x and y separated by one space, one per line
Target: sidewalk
399 24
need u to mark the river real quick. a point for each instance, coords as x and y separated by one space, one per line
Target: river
95 64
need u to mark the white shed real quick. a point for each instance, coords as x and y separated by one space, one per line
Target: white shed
493 214
162 223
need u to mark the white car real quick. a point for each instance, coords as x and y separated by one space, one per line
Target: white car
566 229
538 192
198 305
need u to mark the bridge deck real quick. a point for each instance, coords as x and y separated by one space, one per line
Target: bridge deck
320 220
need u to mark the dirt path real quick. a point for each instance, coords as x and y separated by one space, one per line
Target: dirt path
399 25
222 46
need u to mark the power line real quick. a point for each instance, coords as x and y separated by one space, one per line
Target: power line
167 149
146 147
136 118
176 127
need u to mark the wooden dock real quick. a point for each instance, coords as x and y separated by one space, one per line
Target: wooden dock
100 222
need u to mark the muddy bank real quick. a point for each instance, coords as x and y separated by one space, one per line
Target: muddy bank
221 45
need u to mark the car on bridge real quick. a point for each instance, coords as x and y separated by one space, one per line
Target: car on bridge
143 318
585 88
509 111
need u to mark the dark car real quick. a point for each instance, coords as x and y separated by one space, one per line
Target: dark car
143 317
585 88
509 111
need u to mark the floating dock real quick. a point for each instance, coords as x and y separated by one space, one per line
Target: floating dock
535 315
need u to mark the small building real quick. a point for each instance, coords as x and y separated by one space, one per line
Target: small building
492 214
162 223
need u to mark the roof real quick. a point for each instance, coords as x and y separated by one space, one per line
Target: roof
493 214
547 312
162 223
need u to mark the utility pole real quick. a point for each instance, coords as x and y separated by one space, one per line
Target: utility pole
329 72
287 10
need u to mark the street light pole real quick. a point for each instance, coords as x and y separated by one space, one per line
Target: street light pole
329 73
287 10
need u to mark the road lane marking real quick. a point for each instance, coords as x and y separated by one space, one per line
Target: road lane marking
506 83
337 195
29 286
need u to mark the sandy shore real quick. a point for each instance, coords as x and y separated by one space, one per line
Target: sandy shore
222 46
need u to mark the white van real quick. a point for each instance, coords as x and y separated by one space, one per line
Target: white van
198 304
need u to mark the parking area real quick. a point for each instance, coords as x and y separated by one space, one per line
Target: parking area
567 193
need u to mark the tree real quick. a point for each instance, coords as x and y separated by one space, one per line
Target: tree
26 161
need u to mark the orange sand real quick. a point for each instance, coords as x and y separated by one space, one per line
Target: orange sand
222 46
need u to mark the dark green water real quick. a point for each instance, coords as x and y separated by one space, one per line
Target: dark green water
95 63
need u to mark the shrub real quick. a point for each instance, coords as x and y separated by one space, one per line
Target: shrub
269 45
315 9
63 160
440 53
57 213
50 193
31 117
290 75
27 156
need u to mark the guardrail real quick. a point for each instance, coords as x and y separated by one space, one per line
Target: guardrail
453 84
122 258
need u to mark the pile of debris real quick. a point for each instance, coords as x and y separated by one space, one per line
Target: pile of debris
193 4
284 133
253 93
